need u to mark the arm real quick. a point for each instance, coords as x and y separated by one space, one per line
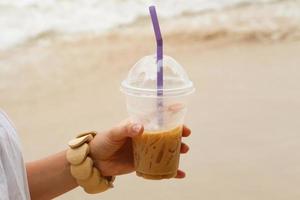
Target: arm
50 177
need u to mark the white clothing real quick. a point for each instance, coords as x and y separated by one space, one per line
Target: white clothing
13 178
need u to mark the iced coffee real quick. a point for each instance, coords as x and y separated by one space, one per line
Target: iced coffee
156 154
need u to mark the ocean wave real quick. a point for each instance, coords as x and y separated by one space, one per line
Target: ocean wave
23 20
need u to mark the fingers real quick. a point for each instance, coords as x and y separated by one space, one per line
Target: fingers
180 174
184 148
186 131
125 130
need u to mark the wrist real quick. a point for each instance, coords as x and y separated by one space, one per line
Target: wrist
93 154
93 149
83 165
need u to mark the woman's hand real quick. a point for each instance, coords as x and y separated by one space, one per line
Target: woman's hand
112 149
112 154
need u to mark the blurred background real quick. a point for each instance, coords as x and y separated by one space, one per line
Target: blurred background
61 64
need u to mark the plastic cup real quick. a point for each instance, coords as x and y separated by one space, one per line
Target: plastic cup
157 150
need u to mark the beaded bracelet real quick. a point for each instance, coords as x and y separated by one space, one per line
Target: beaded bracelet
82 165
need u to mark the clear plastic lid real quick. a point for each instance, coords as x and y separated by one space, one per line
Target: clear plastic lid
141 79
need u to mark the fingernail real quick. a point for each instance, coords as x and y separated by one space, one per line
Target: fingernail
136 128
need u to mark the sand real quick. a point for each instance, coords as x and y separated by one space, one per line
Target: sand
244 114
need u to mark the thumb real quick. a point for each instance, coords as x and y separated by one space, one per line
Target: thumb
125 130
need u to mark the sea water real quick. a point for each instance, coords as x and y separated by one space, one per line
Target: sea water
21 20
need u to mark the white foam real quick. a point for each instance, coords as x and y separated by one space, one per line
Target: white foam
21 20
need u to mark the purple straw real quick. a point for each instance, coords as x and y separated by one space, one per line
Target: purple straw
159 51
159 61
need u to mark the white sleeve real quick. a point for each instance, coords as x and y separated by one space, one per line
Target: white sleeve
13 177
3 182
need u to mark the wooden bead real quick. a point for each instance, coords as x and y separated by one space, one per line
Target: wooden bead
78 155
82 171
101 187
92 181
93 133
79 141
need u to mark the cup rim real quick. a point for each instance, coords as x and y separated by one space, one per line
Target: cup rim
146 92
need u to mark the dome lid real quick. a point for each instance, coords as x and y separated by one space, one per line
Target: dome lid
142 78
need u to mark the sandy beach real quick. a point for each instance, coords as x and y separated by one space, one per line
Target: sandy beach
244 114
